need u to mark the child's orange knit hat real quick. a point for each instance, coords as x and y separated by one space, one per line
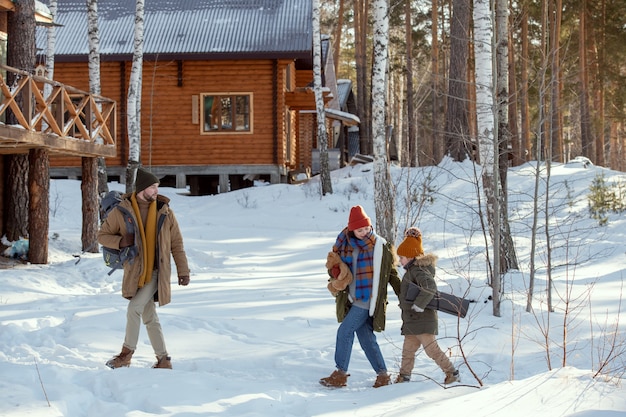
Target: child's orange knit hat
411 246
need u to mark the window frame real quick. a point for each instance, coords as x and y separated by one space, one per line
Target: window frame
233 96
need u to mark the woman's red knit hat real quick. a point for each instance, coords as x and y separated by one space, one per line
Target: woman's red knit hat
411 246
358 218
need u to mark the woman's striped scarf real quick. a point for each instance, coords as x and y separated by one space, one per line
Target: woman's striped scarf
364 268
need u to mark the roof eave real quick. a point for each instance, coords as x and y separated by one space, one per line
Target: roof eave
304 56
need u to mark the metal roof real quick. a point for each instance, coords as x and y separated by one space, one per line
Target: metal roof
188 29
344 89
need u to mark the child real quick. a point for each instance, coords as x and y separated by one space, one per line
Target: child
419 324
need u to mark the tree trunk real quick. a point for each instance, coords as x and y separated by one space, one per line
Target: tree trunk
486 127
337 44
17 194
556 131
595 71
20 54
39 202
527 151
586 134
363 104
89 190
410 110
508 258
515 155
93 33
134 100
383 189
458 144
322 132
436 145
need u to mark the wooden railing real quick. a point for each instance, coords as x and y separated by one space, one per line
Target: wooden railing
66 113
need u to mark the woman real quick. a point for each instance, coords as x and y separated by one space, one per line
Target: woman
361 304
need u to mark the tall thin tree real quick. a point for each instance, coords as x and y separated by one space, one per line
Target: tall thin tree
436 145
458 143
410 105
322 132
361 13
95 85
506 248
89 182
134 99
383 186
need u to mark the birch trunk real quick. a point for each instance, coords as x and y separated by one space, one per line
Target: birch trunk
507 256
486 127
322 132
95 82
383 186
134 100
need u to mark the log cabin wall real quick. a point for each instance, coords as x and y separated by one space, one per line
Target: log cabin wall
171 125
307 132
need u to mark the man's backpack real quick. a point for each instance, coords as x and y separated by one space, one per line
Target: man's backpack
115 258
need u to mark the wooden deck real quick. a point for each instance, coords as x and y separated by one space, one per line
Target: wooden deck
66 121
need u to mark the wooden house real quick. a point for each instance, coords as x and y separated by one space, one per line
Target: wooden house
227 93
40 117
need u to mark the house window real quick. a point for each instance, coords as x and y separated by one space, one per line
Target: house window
226 113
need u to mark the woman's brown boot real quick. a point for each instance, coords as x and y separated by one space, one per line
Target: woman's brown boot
337 379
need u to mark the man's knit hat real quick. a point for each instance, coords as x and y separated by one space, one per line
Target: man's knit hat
144 180
358 218
411 246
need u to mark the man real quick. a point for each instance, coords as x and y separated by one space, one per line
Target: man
147 276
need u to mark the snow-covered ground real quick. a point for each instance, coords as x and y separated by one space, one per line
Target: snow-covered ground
255 330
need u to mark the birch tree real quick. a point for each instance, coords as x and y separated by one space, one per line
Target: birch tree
507 257
489 129
51 39
383 186
95 83
485 119
134 99
322 132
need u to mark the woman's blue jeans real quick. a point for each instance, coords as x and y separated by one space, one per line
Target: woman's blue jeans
358 321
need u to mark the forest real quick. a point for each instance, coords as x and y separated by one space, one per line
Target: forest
562 78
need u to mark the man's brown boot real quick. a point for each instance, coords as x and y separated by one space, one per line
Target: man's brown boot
337 379
164 362
123 359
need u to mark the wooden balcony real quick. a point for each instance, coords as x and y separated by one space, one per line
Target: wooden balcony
67 121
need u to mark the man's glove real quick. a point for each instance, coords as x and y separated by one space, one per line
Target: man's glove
183 280
127 240
417 309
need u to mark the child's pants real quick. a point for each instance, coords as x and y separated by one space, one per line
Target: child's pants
412 343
